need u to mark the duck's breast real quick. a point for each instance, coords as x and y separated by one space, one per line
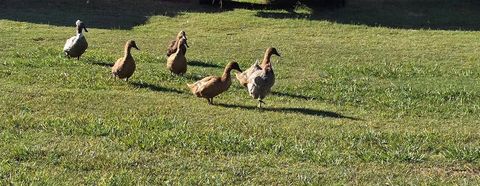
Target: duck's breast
177 63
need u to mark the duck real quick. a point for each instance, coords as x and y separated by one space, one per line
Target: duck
244 76
76 45
260 82
212 86
125 66
172 48
177 63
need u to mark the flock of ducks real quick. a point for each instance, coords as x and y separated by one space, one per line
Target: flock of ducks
258 79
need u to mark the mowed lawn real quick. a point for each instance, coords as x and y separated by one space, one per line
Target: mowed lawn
352 103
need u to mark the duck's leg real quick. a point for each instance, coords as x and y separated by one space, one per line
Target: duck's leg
126 79
260 102
209 101
78 58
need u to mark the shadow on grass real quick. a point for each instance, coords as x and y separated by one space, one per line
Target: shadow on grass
296 96
120 14
103 64
203 64
428 14
304 111
104 14
155 87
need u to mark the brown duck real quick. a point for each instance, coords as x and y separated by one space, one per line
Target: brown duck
172 48
125 66
243 77
177 63
211 86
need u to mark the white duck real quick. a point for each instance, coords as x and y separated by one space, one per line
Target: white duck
76 45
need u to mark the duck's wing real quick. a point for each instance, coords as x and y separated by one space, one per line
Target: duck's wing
203 84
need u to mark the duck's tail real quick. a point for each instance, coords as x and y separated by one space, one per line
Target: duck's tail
242 79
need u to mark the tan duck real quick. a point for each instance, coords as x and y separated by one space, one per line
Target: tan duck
211 86
173 45
177 63
243 77
76 45
125 66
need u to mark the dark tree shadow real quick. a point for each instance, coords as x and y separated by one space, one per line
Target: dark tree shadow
155 87
283 94
123 14
203 64
104 14
231 5
304 111
427 14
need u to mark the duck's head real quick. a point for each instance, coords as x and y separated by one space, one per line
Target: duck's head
234 65
182 35
132 44
80 26
272 50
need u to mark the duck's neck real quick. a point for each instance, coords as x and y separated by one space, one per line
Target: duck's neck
266 58
79 30
181 48
127 52
226 74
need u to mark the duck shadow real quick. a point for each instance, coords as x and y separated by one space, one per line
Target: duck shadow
101 63
155 88
203 64
304 111
283 94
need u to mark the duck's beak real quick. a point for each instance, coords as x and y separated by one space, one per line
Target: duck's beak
136 47
85 28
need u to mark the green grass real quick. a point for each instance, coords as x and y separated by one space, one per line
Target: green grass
353 104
